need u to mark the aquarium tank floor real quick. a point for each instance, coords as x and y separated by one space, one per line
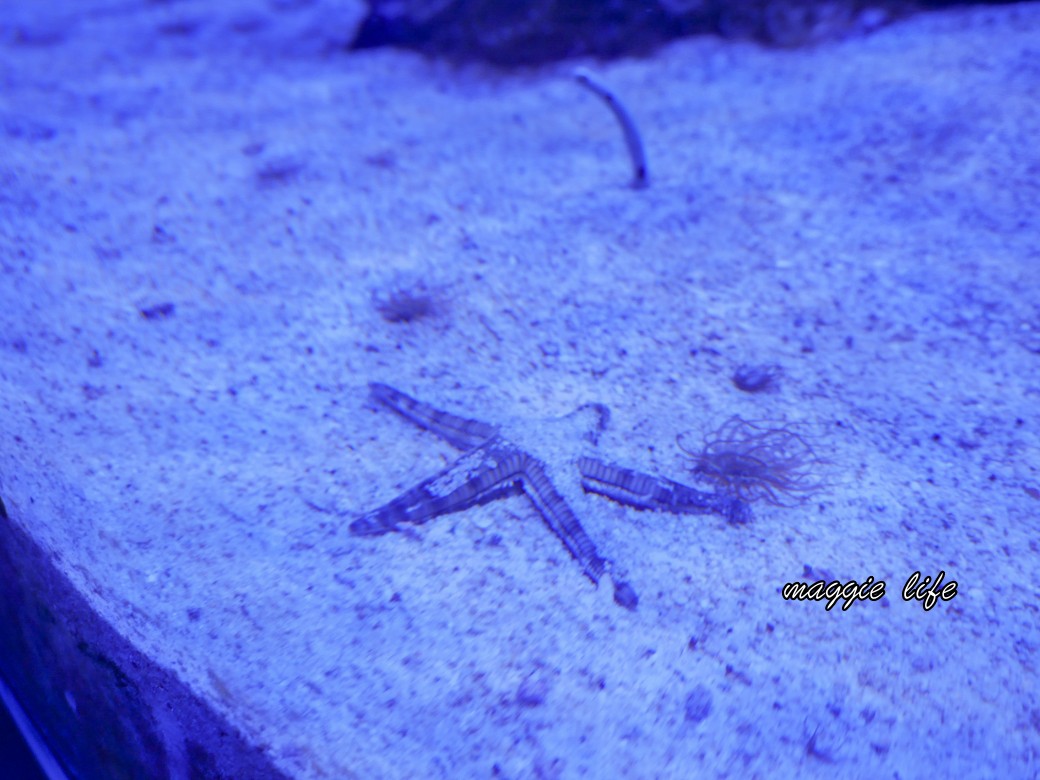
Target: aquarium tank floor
219 227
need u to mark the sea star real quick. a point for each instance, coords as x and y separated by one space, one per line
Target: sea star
497 462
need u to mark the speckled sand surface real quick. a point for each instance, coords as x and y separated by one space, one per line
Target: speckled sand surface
864 214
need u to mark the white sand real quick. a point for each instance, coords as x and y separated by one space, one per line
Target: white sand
864 214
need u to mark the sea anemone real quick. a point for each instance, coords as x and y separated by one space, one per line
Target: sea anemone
752 461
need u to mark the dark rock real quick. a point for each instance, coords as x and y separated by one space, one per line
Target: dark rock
625 596
520 33
758 378
532 32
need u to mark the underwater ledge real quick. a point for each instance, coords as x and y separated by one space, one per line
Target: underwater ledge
105 709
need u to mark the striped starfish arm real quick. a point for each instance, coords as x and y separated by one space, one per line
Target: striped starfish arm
459 432
560 518
642 491
479 476
568 529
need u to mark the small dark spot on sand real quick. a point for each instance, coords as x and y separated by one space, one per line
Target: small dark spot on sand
278 172
26 129
180 28
160 236
386 160
247 23
39 37
158 312
812 750
698 704
106 252
533 690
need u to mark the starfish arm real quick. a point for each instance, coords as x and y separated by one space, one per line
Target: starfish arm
602 420
565 524
560 518
642 491
486 473
459 432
